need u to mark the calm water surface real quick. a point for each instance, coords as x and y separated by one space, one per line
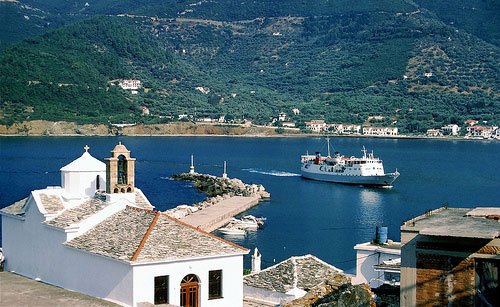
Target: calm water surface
304 216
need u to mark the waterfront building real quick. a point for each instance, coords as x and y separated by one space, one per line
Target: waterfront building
380 131
434 132
289 279
348 129
451 257
451 129
481 131
98 234
317 125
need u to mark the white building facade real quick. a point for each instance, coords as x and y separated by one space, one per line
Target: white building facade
113 245
377 264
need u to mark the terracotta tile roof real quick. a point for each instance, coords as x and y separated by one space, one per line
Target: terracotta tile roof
17 208
302 272
78 214
142 235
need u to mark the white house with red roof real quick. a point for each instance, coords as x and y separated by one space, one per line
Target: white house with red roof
316 125
111 244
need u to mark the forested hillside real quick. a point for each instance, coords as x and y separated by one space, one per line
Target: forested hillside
332 60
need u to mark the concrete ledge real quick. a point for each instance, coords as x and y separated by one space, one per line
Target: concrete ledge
219 214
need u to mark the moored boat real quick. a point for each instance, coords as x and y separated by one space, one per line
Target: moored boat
233 231
365 170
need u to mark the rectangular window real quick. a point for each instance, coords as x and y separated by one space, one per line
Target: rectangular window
161 290
215 284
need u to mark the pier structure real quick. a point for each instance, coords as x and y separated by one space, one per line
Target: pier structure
219 214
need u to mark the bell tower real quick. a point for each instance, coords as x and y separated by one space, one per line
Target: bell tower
120 171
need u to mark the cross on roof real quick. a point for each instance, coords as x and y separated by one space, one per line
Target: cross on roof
86 148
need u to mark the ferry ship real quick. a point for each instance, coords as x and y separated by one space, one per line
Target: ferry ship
366 170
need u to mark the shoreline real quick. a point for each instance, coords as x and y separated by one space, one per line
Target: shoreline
302 135
39 128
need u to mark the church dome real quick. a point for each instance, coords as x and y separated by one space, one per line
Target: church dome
86 163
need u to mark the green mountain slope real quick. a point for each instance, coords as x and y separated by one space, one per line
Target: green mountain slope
330 60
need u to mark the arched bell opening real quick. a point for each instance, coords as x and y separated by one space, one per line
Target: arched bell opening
122 170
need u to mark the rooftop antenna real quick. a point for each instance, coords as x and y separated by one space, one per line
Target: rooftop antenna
191 168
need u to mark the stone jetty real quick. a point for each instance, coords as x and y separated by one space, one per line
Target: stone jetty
228 197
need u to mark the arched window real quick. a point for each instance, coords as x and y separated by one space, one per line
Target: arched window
122 170
97 183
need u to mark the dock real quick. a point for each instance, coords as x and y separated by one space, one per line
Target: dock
219 214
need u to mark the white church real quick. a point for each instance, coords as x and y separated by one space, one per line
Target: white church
97 234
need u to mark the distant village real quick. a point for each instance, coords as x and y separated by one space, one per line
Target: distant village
470 129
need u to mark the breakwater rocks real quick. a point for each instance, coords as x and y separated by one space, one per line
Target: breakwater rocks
218 189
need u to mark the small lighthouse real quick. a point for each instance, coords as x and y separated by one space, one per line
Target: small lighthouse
191 168
224 175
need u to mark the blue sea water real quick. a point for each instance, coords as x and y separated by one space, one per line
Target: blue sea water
303 216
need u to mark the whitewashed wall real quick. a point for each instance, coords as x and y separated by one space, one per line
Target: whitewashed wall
366 259
35 250
82 182
232 280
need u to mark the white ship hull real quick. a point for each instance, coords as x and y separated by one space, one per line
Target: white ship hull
372 180
366 170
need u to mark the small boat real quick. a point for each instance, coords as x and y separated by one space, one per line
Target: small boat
247 222
261 218
232 230
366 170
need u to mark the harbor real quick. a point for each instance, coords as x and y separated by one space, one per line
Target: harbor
227 199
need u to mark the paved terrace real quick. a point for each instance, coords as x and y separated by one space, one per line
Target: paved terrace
17 290
219 214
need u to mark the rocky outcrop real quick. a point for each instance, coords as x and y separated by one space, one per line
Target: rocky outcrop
330 294
217 188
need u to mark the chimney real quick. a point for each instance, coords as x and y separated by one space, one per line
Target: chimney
256 259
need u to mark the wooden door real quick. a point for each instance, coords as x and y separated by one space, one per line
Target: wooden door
189 291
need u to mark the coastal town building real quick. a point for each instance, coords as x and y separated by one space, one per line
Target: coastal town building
451 257
282 116
451 129
471 122
98 234
317 125
289 279
481 131
434 132
380 131
349 129
288 124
